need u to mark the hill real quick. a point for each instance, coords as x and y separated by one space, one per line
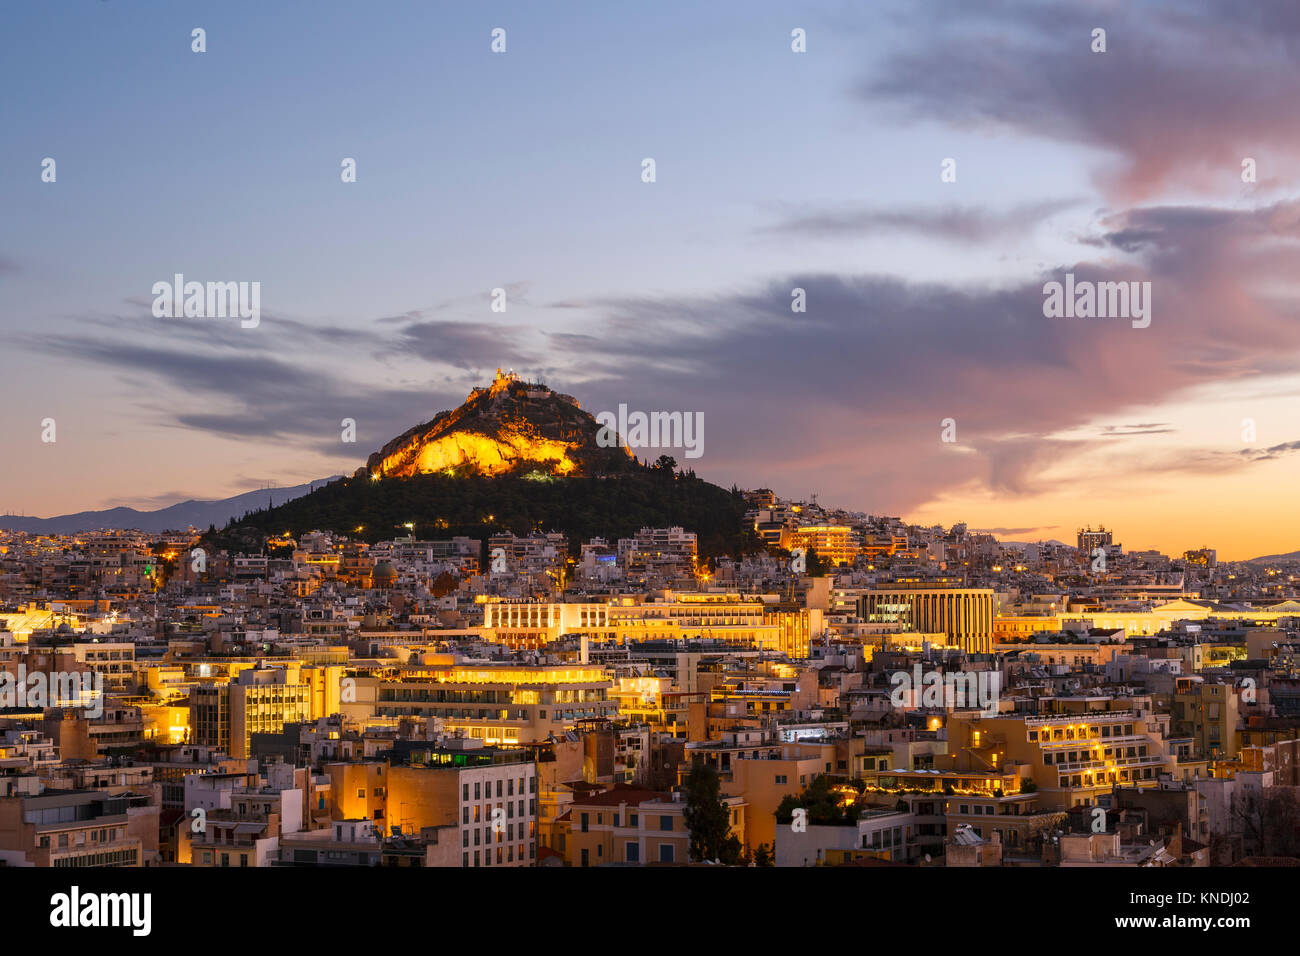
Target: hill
443 506
517 457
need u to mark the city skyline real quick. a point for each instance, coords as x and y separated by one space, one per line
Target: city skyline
598 438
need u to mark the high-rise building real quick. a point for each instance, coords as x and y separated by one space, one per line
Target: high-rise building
258 700
1090 540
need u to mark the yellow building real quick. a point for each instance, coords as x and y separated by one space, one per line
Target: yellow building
1072 758
257 700
494 703
835 543
1207 712
747 621
632 825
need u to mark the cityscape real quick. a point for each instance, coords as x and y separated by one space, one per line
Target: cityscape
820 687
822 443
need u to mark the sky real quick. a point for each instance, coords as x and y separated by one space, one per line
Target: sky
775 170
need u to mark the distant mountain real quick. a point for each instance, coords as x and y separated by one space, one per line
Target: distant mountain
177 517
1276 558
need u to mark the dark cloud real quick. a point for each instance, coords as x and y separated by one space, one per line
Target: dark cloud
849 397
1182 94
1272 452
472 346
1123 431
954 223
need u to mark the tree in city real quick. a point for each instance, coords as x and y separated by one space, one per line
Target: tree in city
708 818
1269 820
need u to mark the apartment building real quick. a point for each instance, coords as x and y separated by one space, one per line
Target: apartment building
487 794
257 700
1072 758
78 828
634 826
494 703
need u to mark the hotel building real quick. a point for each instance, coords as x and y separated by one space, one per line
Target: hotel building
494 703
747 621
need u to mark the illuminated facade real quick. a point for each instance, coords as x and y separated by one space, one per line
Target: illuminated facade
739 620
256 701
965 615
835 543
1072 758
494 703
485 797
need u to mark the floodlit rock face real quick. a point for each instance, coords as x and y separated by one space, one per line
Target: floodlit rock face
512 427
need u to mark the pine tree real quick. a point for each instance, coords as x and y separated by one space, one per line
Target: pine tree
707 818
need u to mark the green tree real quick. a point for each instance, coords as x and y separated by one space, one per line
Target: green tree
786 808
707 818
763 856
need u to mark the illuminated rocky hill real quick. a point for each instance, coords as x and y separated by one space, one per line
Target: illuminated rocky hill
514 457
510 428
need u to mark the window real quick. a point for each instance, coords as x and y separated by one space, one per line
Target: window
585 822
633 852
665 853
666 823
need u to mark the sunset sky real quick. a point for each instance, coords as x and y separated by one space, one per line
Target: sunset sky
775 170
